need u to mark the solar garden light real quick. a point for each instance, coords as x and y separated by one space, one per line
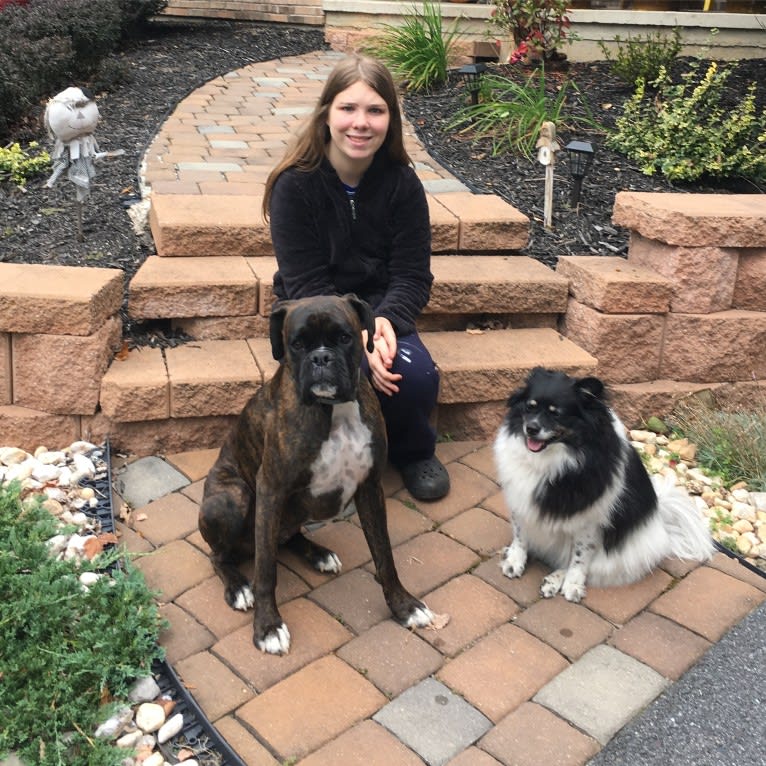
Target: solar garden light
580 156
471 75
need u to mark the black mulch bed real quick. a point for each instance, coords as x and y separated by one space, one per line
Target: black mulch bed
141 86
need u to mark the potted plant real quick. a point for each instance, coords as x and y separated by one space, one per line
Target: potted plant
534 30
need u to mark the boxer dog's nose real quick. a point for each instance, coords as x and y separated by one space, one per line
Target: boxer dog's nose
321 357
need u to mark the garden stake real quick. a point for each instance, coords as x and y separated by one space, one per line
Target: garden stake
547 146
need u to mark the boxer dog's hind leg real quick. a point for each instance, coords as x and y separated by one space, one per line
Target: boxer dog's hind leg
371 507
223 523
321 558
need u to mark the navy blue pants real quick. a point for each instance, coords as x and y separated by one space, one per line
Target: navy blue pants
407 413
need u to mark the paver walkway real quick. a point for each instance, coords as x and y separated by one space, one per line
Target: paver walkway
512 678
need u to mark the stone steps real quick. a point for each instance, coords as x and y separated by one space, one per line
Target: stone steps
227 225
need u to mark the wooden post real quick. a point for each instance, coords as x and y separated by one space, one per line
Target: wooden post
547 146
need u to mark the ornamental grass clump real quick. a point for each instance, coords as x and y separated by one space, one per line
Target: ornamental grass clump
419 51
511 114
730 444
66 652
684 132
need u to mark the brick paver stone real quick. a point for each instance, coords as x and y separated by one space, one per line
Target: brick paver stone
174 568
469 488
346 540
194 464
708 602
532 735
205 602
146 479
184 636
215 688
481 459
502 670
247 747
392 657
472 756
433 721
171 517
366 744
355 598
427 561
404 522
313 634
602 691
619 604
311 707
663 645
569 628
731 566
496 503
474 608
480 530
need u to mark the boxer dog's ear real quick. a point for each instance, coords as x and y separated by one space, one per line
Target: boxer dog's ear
276 327
366 317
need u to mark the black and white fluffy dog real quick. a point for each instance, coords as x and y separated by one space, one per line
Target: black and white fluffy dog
579 496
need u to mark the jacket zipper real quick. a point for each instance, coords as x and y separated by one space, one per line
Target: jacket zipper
352 203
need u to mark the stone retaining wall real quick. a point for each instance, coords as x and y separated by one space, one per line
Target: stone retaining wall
686 311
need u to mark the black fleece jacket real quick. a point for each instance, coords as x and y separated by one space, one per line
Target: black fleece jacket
377 245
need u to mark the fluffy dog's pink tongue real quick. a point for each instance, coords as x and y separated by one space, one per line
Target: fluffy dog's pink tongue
533 445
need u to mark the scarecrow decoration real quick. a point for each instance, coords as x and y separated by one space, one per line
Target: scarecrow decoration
70 118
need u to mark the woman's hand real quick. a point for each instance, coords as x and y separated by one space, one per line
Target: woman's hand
381 358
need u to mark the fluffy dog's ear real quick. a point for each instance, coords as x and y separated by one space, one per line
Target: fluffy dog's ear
592 387
276 327
366 317
517 396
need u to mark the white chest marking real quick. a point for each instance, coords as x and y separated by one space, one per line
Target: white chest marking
345 458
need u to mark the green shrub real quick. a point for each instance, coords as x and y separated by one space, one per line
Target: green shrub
642 57
684 132
18 165
419 51
50 44
63 649
511 114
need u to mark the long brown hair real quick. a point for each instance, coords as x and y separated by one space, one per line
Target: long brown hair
307 151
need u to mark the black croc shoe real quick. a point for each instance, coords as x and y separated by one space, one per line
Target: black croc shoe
426 479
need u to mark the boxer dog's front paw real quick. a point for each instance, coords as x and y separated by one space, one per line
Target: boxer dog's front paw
329 562
273 641
420 617
240 598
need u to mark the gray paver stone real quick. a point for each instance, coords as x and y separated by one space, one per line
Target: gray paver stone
147 479
602 691
444 185
433 721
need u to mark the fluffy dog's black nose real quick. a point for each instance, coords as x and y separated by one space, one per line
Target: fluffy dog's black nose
532 429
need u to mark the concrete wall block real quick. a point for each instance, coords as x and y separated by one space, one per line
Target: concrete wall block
703 277
613 286
6 389
627 346
721 347
136 387
750 286
29 429
57 300
61 374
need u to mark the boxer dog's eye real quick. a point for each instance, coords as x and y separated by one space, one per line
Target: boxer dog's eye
345 338
297 345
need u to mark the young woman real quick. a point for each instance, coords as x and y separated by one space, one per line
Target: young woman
348 214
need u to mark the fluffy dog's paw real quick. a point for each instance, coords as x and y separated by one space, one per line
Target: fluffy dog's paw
241 598
573 591
420 617
329 562
551 584
276 641
513 563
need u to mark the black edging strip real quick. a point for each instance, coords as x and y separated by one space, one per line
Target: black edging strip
196 727
743 562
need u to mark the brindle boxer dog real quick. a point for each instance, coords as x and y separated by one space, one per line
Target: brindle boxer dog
307 443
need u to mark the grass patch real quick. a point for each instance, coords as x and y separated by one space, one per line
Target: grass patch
65 652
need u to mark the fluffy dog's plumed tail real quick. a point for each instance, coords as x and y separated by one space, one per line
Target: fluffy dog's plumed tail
685 525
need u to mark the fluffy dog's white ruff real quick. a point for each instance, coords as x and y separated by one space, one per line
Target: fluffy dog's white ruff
674 528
